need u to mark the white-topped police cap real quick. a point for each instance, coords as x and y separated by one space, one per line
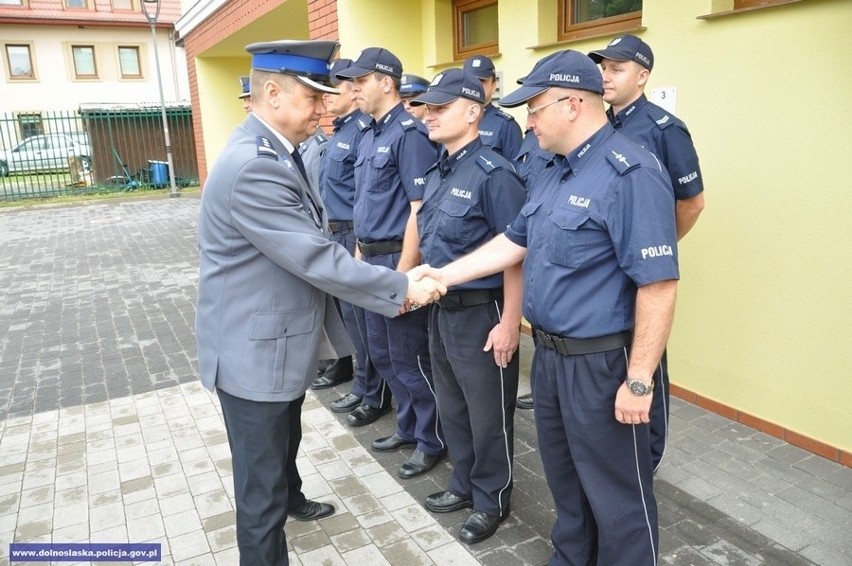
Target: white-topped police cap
565 69
451 85
245 87
308 61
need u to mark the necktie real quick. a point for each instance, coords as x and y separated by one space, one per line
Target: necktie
299 163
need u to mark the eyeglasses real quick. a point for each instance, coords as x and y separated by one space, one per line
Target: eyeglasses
531 110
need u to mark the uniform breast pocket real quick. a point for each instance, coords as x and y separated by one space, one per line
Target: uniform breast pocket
568 239
339 161
453 225
380 173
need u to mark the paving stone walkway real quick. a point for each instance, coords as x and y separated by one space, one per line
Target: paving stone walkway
107 436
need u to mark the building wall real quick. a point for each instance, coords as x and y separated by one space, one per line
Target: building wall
763 311
53 64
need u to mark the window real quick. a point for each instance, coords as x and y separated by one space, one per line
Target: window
474 28
84 62
591 18
30 125
128 62
19 61
122 4
76 4
12 3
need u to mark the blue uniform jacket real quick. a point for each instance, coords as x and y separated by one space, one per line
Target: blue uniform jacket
390 173
599 223
337 170
471 196
666 136
500 131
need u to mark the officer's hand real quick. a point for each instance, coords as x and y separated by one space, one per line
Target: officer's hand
630 409
424 290
504 339
425 270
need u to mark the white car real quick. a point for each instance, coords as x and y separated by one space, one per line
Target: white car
49 152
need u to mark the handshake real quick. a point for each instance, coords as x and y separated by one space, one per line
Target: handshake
424 287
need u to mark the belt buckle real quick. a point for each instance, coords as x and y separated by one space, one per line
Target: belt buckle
546 339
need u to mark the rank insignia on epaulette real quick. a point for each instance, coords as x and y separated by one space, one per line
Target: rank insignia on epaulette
264 148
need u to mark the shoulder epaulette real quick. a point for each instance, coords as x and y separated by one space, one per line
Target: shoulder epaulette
660 117
408 124
320 136
363 124
430 169
488 163
505 115
265 149
622 162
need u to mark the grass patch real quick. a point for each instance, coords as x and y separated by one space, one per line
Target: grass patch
93 195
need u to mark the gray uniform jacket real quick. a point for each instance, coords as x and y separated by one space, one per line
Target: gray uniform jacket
264 313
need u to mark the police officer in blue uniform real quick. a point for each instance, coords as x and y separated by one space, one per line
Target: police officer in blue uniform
626 64
498 129
411 86
597 236
389 180
245 93
472 194
337 188
266 278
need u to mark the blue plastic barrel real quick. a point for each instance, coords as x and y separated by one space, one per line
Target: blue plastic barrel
159 173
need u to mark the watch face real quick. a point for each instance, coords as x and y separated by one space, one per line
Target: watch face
637 387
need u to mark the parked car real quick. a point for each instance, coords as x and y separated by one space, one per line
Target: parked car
49 152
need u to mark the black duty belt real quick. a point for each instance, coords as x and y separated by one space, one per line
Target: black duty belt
336 226
580 346
461 299
380 248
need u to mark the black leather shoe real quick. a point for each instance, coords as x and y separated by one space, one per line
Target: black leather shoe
479 527
390 443
446 502
418 463
345 404
524 401
365 414
335 373
311 511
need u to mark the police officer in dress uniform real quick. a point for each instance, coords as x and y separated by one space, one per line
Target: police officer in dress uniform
337 188
472 194
267 269
389 180
598 240
412 86
626 64
498 129
245 93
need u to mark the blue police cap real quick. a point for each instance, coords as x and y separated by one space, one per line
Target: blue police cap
373 60
307 61
566 69
412 85
626 48
451 85
481 66
336 67
245 87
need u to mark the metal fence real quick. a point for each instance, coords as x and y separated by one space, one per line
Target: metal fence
98 148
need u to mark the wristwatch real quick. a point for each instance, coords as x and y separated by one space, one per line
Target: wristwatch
640 388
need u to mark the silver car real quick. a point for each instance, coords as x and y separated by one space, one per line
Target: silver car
49 152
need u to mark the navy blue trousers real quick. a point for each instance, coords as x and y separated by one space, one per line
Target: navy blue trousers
476 404
659 432
368 385
264 440
399 349
598 470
